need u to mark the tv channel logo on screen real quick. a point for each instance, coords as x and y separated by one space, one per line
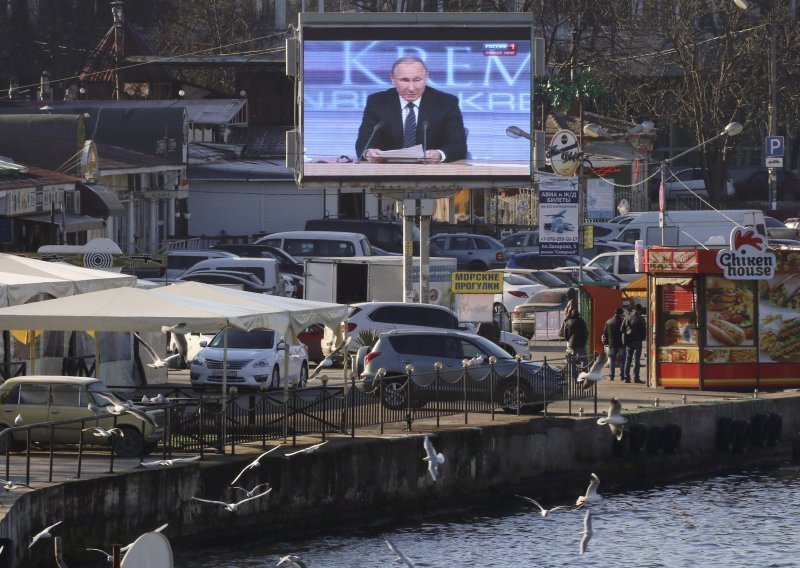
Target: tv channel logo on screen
500 48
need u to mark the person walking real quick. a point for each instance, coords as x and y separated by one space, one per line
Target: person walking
612 340
634 332
576 333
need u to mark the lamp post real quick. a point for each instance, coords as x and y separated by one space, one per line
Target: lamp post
772 109
732 129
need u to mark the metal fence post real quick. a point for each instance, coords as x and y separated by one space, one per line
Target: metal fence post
437 366
465 363
409 417
379 376
352 405
492 361
518 371
324 406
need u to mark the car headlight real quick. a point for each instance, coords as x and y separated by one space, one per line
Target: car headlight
199 360
261 363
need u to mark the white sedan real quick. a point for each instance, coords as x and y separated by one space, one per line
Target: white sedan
516 289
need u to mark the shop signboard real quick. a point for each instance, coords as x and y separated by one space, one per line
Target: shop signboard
558 214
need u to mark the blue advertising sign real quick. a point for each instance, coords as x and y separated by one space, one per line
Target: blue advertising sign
558 216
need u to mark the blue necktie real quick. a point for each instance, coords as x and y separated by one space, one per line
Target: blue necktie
410 128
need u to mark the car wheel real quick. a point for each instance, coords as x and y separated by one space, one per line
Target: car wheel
275 381
477 265
302 380
394 393
509 395
130 444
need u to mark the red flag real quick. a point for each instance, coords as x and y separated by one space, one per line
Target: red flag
662 205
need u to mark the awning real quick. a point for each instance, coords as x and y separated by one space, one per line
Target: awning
73 223
98 201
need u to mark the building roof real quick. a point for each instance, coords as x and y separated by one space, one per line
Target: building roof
33 177
252 170
260 140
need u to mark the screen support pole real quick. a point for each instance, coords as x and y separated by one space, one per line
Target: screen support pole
409 212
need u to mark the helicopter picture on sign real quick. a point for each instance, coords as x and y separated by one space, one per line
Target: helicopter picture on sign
558 216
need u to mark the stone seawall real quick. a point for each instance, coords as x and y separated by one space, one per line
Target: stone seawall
373 480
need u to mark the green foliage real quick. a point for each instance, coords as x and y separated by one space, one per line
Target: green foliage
367 338
563 92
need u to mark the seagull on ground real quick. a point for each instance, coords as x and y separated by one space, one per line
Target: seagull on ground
44 534
595 372
400 556
172 461
291 561
253 491
308 450
158 362
591 493
158 399
109 557
18 420
103 433
10 485
615 420
542 510
233 507
434 459
253 464
587 531
127 547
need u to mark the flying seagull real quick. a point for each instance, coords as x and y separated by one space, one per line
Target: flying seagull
291 561
233 507
103 433
118 409
327 361
253 464
44 534
308 450
614 419
169 462
125 548
253 491
587 531
591 493
400 556
595 373
18 420
10 485
542 510
434 459
109 557
158 362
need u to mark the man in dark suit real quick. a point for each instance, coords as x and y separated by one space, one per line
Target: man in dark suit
412 113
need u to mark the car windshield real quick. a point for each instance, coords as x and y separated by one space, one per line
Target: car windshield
546 279
237 339
773 222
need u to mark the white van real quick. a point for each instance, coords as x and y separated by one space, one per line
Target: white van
621 263
309 244
692 228
180 260
265 269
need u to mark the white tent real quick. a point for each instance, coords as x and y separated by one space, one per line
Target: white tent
18 289
81 280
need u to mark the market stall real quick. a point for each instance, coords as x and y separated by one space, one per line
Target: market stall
724 319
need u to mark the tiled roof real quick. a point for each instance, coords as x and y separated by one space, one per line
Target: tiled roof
260 140
33 177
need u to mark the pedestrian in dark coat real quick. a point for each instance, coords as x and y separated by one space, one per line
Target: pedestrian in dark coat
612 340
634 333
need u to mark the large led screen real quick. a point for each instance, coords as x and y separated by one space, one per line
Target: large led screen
355 93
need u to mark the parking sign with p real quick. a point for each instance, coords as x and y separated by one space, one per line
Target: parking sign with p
773 146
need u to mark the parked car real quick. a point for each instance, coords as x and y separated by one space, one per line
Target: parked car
516 289
534 261
39 398
605 246
388 235
230 278
255 358
688 182
542 277
472 252
523 319
792 222
286 262
179 261
424 349
522 241
266 270
756 185
778 230
592 276
309 244
385 316
620 263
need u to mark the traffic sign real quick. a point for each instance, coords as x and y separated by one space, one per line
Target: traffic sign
773 162
773 146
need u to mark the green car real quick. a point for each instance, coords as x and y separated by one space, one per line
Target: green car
25 401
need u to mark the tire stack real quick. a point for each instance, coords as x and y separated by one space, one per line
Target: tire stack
735 435
653 439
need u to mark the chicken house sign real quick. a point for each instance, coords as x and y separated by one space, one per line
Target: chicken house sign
746 259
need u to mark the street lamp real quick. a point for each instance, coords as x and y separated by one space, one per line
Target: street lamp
745 6
732 129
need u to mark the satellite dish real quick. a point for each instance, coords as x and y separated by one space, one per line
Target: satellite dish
151 550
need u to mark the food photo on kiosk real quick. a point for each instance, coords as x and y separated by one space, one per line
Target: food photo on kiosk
725 318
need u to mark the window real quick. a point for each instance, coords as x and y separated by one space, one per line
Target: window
469 349
69 395
12 396
606 262
260 339
481 244
461 243
437 318
34 394
629 236
626 264
420 345
518 240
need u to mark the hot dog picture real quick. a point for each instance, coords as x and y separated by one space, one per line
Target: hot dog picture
726 332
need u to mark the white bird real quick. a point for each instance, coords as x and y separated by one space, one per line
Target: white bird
308 450
103 433
125 548
253 491
595 373
158 399
109 557
158 362
542 510
591 493
434 459
587 531
615 420
117 409
169 462
44 534
291 561
233 507
400 556
18 420
253 464
10 485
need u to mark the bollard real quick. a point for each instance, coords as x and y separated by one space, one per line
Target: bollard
465 364
437 366
409 417
492 361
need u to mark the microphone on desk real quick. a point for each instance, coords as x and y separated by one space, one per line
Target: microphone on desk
425 142
378 126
